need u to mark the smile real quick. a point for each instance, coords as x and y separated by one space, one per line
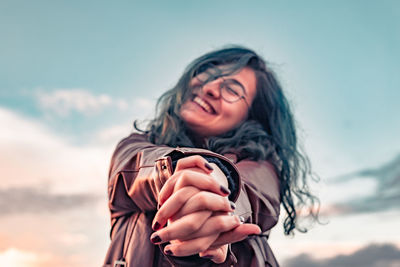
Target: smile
204 105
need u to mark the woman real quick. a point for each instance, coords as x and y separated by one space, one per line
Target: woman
203 184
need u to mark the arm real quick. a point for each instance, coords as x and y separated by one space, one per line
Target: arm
133 177
258 202
138 171
259 198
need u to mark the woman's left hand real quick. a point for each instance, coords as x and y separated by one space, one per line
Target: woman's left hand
197 230
197 225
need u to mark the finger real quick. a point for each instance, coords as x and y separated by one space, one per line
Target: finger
190 178
181 228
172 205
215 225
237 234
169 186
194 161
217 255
190 247
203 200
220 188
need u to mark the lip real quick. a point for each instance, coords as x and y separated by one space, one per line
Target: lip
213 111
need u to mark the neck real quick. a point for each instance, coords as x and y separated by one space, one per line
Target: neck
198 140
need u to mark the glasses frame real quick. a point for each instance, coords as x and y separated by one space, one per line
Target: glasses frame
220 86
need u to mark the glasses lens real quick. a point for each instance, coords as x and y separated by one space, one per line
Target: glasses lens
208 75
231 92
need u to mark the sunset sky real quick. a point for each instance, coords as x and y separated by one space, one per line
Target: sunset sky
75 74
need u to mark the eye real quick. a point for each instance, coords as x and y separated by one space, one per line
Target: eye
231 90
205 77
196 86
202 77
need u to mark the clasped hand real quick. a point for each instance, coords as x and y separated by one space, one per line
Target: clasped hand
199 217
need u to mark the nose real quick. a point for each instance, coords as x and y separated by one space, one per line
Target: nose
212 88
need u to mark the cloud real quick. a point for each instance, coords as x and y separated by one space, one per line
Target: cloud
31 258
144 103
32 155
39 200
17 258
64 101
53 196
113 134
374 255
386 193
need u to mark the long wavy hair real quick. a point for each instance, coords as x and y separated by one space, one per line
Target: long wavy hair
269 132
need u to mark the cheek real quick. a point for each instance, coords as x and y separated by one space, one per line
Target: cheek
185 113
236 116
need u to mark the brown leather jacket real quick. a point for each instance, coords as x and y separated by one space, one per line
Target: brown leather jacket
137 173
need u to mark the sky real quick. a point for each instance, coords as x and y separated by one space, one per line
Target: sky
74 75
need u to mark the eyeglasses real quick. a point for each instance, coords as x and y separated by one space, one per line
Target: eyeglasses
229 89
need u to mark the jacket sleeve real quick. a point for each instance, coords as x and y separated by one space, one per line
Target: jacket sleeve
258 201
134 182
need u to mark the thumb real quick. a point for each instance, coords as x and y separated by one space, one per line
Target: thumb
217 255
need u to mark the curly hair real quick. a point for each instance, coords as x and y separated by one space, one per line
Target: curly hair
269 133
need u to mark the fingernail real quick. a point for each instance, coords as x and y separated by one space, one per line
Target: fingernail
233 206
168 252
156 226
208 166
155 239
224 190
208 256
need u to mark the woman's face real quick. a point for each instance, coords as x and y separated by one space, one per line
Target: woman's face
207 113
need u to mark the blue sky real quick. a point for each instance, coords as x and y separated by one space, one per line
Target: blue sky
75 74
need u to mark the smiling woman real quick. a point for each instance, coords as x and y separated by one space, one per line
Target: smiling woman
216 105
211 170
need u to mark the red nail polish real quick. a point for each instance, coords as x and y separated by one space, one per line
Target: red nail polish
156 226
208 166
155 239
224 190
168 252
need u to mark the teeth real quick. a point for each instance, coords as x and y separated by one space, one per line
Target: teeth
203 104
